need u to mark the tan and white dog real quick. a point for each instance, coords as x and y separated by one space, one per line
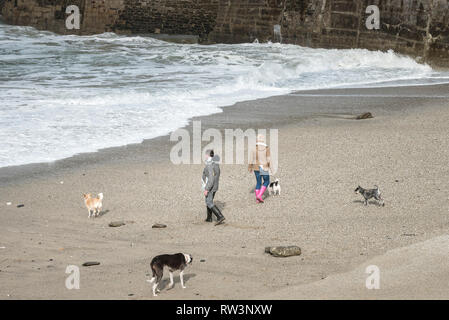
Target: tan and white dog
93 205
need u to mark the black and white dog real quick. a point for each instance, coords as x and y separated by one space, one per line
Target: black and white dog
274 187
174 262
370 193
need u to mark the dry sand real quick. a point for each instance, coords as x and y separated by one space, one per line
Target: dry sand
418 271
323 156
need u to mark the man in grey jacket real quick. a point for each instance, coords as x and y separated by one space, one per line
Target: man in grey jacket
211 178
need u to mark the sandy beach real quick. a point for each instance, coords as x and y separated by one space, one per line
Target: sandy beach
323 155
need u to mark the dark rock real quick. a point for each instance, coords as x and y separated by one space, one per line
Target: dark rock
115 224
366 115
159 225
202 260
20 205
283 251
90 263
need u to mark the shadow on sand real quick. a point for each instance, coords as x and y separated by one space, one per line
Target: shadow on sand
376 203
102 213
164 282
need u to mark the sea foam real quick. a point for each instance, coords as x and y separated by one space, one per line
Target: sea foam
63 95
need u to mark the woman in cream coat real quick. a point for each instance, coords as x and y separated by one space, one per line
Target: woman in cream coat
260 163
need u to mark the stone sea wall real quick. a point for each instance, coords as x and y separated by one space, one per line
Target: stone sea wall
122 16
416 27
97 16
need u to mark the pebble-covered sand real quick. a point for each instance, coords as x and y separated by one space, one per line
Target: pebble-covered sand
323 156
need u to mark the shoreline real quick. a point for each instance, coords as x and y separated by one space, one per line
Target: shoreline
118 153
323 155
103 138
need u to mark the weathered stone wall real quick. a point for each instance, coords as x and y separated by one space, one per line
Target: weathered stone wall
415 27
97 16
247 20
193 17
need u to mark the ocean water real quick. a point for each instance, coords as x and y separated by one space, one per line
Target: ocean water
63 95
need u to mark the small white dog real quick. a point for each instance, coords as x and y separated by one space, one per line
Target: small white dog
274 187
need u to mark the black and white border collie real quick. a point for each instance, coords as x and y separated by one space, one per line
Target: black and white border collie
174 262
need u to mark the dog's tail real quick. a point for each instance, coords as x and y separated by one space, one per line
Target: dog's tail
377 190
100 196
153 270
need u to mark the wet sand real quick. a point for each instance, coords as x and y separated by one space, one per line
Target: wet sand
323 155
